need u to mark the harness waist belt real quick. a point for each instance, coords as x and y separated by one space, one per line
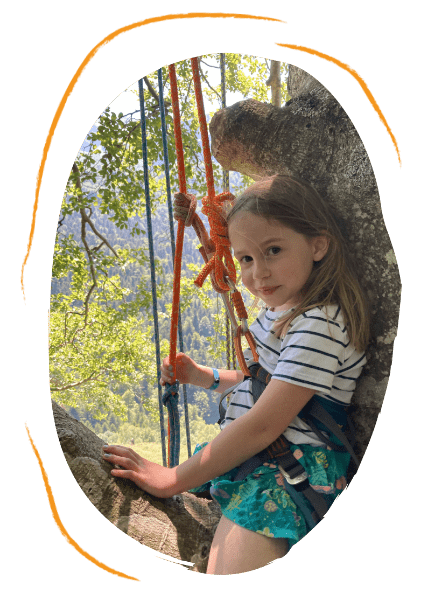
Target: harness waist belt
294 474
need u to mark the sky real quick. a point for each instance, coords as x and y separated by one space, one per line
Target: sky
127 101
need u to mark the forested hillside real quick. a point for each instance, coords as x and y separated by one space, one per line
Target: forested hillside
200 337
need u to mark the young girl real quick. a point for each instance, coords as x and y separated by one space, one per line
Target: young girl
310 335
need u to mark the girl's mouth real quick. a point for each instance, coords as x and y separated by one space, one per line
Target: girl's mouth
268 290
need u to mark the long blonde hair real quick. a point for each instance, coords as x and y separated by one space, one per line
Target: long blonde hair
294 203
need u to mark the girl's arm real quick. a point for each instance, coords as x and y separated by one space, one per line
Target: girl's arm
278 405
189 372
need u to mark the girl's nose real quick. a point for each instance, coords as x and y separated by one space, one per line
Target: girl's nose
260 269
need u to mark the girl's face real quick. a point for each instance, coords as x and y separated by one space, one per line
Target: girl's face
275 261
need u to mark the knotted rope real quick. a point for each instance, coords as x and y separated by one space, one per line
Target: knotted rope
170 399
219 261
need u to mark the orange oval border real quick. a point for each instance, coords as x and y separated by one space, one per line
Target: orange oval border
46 148
60 524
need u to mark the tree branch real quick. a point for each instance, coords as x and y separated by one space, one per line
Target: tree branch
186 98
274 81
214 90
151 89
213 66
130 113
75 384
95 231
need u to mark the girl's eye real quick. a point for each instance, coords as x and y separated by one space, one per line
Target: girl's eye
246 259
273 250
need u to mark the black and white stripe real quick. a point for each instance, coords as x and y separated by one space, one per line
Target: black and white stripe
315 353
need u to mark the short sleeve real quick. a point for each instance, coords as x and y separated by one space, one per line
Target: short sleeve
312 352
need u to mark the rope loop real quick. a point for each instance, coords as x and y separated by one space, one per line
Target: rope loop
252 345
239 351
221 263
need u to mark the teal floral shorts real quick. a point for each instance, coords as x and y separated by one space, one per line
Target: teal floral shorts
260 502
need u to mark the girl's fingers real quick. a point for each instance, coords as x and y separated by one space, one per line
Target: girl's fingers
133 453
116 449
123 473
166 374
122 451
122 461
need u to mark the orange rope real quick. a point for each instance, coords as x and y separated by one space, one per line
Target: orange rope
212 204
177 128
180 230
238 302
219 236
203 129
239 350
219 261
212 207
181 223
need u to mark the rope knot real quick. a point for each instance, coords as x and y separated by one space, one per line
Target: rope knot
221 263
171 395
185 205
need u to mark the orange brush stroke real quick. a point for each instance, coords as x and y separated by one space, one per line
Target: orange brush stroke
358 78
89 57
59 522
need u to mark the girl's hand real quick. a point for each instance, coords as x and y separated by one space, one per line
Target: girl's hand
186 370
151 477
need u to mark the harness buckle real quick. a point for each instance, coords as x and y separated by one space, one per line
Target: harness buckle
293 481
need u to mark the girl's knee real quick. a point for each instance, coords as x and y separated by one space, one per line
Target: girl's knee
236 549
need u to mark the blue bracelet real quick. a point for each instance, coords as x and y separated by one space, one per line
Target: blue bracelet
216 380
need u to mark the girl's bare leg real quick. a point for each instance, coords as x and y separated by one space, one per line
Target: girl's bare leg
236 549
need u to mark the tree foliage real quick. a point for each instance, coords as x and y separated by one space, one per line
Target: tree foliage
102 345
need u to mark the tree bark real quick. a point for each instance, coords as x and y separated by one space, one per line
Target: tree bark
181 527
313 138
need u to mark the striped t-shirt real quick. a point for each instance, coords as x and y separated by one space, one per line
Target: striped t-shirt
315 353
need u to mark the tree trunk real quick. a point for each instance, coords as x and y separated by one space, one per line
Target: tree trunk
181 527
313 138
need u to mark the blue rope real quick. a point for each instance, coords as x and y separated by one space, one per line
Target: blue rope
170 399
173 250
152 266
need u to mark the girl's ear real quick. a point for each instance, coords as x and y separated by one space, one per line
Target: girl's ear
320 247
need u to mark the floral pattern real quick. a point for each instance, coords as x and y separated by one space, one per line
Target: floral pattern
261 503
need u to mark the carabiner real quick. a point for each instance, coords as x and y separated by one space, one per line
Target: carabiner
293 481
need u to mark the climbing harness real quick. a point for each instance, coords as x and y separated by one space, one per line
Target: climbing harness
316 414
